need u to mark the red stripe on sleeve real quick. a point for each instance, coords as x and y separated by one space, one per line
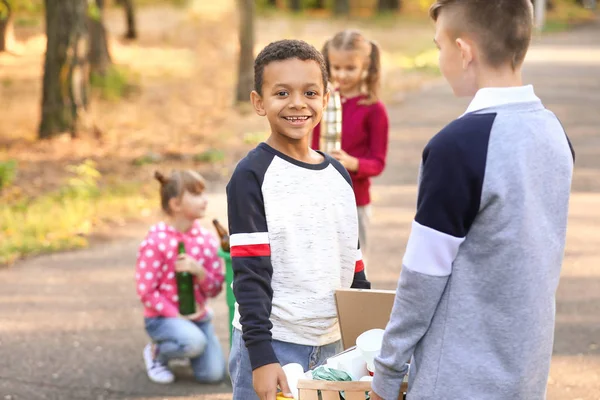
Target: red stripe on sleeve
360 266
252 250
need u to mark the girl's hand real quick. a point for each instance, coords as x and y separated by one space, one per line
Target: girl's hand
192 317
186 263
349 162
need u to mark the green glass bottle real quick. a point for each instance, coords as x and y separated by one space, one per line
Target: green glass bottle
185 289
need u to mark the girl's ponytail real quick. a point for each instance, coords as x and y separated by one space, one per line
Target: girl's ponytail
325 53
160 177
372 81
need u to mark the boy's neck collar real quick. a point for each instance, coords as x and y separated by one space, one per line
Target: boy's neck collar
313 165
298 150
497 96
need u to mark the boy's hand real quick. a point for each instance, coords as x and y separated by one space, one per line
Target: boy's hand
266 379
349 162
186 263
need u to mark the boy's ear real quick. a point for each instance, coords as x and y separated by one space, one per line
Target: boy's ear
466 51
258 104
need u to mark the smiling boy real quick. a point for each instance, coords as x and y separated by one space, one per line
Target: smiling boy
294 230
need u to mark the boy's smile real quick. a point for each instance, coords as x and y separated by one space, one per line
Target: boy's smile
293 97
297 120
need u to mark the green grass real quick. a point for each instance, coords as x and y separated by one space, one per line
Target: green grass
555 26
211 156
28 21
118 82
7 82
565 15
27 6
254 138
63 219
8 172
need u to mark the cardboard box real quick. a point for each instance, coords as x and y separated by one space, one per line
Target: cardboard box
358 311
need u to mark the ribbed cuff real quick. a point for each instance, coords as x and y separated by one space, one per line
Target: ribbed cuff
261 354
387 383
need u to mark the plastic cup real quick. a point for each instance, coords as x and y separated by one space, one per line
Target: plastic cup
369 346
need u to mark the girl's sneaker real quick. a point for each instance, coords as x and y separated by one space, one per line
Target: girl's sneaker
157 371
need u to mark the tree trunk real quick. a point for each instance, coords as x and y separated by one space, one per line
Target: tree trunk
550 4
388 5
6 26
295 5
66 71
341 7
130 17
320 4
246 61
99 55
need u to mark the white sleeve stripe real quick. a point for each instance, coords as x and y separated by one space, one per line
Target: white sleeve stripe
430 252
358 255
244 239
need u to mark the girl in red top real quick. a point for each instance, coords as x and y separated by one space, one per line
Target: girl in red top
354 68
174 335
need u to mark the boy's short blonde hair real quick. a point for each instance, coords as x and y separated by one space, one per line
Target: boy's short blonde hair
501 28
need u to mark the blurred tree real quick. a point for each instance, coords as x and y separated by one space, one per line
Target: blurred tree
66 69
246 60
341 7
296 5
6 27
130 18
99 55
388 5
549 4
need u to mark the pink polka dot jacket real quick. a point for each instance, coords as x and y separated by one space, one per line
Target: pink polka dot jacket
155 270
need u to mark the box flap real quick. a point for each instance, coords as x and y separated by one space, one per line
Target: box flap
360 310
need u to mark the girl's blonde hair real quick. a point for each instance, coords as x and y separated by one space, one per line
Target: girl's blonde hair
354 40
176 184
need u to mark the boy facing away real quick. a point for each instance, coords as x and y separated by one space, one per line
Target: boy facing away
294 230
475 304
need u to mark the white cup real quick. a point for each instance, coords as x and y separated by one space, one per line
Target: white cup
369 346
293 373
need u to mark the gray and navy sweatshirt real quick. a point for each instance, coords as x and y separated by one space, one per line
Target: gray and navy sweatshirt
475 304
294 241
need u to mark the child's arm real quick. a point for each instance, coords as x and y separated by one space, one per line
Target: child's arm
212 284
316 137
448 201
378 126
147 279
251 262
360 279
